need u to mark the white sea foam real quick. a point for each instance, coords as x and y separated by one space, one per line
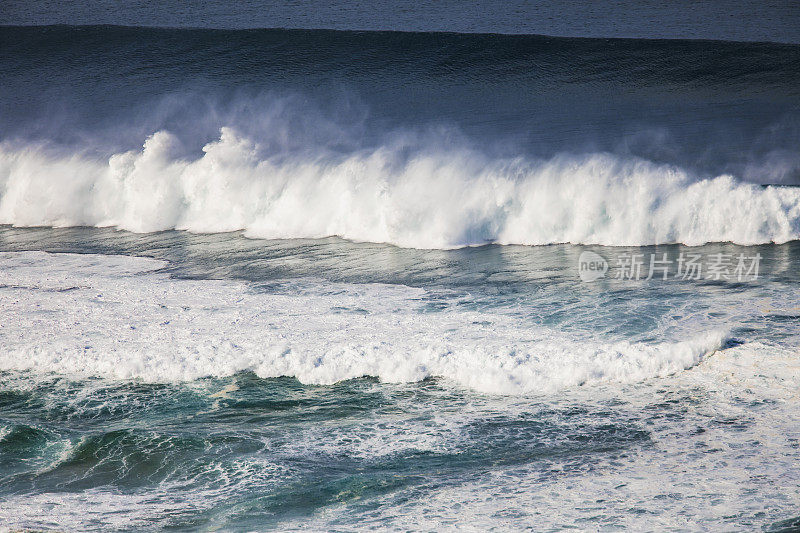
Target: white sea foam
721 449
718 458
437 196
114 317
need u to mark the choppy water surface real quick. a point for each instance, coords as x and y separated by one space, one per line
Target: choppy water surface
202 381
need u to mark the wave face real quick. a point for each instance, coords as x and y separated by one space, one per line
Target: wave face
417 139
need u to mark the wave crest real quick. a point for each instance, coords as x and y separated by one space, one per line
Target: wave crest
442 195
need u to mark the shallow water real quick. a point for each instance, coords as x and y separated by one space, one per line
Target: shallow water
146 393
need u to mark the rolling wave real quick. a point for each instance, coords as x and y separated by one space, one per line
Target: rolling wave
713 107
444 52
409 195
424 140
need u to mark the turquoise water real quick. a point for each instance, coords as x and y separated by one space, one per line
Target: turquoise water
152 429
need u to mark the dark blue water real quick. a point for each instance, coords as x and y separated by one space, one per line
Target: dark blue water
729 20
711 107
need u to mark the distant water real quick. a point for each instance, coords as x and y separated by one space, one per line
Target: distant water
727 20
310 279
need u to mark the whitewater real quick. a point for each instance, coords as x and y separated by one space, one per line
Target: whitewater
433 197
214 378
126 322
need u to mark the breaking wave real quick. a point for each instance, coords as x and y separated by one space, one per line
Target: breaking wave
411 194
312 133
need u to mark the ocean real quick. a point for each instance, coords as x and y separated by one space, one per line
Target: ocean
330 270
